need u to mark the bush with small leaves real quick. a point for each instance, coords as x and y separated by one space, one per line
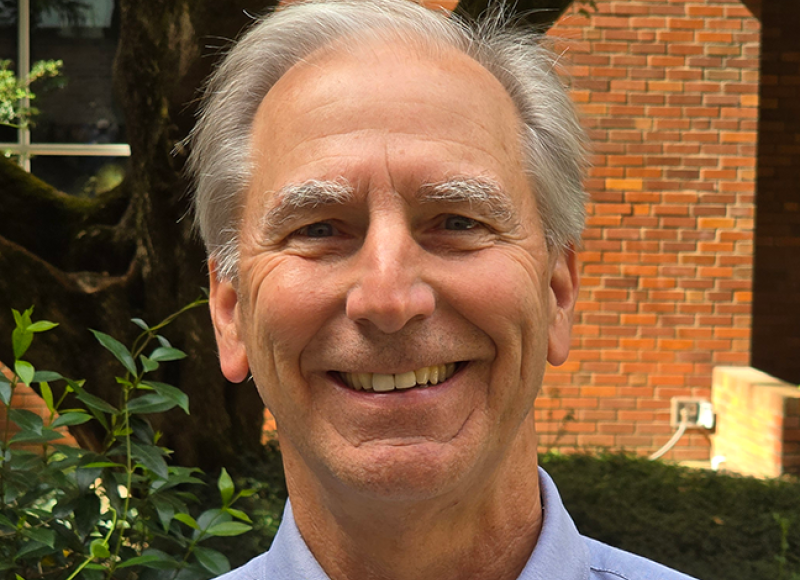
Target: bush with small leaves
118 513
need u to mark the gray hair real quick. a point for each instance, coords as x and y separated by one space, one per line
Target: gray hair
553 142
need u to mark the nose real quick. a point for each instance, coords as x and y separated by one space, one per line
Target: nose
389 290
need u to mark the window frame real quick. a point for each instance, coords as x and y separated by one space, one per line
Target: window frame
23 149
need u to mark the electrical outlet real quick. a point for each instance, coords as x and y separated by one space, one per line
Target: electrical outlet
699 412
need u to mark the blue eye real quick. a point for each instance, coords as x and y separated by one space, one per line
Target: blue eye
459 223
318 230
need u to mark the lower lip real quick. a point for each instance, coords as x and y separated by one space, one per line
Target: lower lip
401 394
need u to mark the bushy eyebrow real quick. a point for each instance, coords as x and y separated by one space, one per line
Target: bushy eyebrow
296 197
483 194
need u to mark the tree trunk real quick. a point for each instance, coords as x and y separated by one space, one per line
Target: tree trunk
132 253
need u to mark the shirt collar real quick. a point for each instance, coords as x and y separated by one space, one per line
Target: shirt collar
560 551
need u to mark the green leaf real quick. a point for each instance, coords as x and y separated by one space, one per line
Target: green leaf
4 521
95 403
25 371
148 365
47 395
188 520
162 560
139 560
101 418
166 511
46 537
66 419
170 392
210 517
46 376
211 560
87 514
21 340
5 393
167 353
46 436
26 420
140 323
18 320
226 487
118 349
239 514
151 458
31 547
152 403
99 549
101 464
41 326
228 529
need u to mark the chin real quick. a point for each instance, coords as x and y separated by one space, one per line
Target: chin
405 472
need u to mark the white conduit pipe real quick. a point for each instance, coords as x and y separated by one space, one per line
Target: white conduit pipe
675 437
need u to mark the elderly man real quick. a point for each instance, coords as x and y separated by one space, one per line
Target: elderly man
390 198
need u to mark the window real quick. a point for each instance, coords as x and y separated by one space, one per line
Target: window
77 142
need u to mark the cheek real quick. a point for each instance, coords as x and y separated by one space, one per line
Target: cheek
506 296
290 301
502 293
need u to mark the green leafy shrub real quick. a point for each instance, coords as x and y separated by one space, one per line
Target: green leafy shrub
118 512
710 525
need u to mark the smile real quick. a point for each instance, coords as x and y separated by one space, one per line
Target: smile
382 383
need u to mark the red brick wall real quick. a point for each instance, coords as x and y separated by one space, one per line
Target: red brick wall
776 306
669 92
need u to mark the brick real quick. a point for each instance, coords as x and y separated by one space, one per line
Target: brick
665 86
714 37
705 11
624 184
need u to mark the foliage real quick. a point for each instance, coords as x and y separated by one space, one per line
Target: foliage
710 525
118 512
263 472
14 91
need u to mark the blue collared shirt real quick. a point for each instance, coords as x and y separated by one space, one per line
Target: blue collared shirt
561 553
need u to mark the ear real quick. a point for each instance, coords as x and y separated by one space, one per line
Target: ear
564 286
223 301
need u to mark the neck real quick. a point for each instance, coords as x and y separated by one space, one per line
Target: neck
483 531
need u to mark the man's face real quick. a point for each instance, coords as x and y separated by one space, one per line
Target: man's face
389 230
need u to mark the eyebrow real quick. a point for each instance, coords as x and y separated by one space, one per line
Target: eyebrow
481 193
294 198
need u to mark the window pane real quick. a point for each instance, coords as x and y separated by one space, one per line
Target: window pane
83 176
8 29
84 35
8 51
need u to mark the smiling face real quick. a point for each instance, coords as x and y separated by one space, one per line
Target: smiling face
396 301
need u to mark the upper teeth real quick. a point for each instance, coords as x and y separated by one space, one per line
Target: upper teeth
382 383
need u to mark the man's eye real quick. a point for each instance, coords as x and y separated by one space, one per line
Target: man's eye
318 230
460 223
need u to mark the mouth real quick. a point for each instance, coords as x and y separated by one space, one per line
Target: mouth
383 383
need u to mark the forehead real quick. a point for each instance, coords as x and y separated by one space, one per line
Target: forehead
435 106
